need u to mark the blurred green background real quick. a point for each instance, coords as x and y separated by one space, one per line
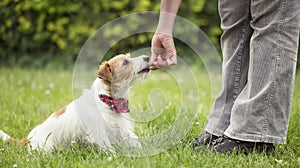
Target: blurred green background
35 33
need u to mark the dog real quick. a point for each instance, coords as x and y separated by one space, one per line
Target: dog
99 116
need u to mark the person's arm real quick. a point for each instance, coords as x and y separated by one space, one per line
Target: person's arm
162 47
168 11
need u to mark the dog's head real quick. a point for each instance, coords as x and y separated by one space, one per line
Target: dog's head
122 71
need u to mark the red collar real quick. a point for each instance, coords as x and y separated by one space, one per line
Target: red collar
119 105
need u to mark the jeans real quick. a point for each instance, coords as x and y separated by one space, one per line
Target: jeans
259 46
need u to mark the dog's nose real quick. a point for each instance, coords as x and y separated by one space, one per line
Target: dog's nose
147 59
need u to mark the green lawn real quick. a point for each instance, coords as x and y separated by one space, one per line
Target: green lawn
27 97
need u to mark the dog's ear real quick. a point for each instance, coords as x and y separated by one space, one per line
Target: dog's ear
104 72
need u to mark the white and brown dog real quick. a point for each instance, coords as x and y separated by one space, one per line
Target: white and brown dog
99 117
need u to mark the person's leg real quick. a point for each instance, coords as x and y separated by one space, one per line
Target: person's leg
261 111
235 23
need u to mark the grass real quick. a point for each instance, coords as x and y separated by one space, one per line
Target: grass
28 96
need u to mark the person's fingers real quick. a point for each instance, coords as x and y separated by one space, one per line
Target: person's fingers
162 62
170 56
169 62
168 44
153 64
163 51
173 59
152 60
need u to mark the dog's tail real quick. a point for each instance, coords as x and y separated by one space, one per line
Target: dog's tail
6 138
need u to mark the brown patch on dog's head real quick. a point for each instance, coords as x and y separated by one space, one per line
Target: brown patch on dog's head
121 71
121 67
104 72
59 112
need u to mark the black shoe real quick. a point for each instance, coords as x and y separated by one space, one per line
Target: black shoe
228 145
205 139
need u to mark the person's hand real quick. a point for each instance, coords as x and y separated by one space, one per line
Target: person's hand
163 51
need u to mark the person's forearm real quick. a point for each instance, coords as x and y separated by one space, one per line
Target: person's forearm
168 11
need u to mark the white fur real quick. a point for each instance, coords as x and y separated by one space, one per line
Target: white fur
4 136
88 120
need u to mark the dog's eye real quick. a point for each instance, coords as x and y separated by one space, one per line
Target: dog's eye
125 62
